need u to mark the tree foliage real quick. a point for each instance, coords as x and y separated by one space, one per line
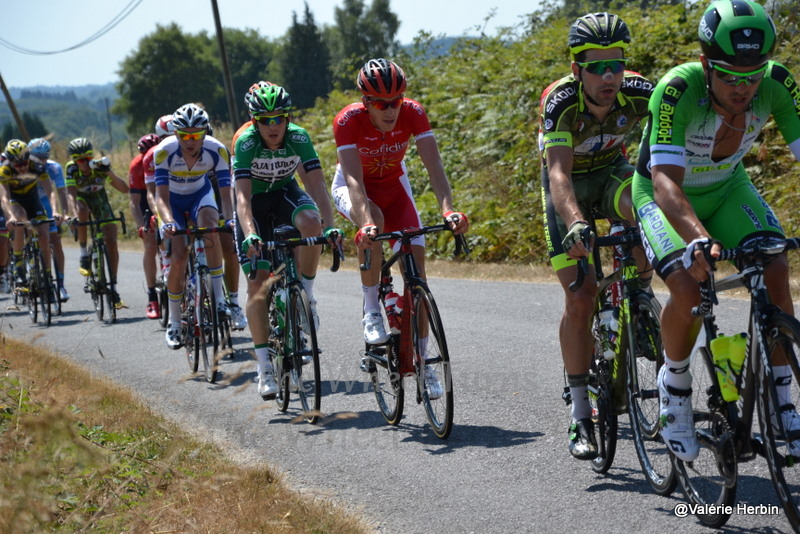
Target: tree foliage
305 62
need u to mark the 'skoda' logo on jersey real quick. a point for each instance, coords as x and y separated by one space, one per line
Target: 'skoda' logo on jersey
556 98
161 155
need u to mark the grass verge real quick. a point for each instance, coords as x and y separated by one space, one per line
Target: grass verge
80 453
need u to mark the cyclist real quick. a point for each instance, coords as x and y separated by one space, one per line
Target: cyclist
163 129
268 153
692 193
40 151
86 195
371 187
139 208
182 164
585 118
19 196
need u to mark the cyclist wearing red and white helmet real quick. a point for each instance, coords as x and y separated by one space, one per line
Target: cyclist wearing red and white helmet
139 207
371 187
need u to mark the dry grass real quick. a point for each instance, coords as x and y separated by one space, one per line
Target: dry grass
82 454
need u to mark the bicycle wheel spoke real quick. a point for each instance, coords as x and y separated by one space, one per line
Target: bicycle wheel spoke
305 376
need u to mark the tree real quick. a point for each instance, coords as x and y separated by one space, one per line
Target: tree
33 124
305 62
169 69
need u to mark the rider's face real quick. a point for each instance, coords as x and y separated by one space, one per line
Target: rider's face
733 99
384 119
601 88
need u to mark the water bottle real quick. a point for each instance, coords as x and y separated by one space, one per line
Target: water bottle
728 353
391 302
609 330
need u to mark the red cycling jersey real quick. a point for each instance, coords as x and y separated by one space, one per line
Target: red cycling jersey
148 167
136 173
381 152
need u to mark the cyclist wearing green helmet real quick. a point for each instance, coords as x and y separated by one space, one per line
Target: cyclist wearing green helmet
268 153
585 119
692 193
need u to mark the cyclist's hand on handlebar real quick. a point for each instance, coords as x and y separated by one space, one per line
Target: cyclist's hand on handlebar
251 245
573 242
458 221
168 229
333 235
699 257
364 236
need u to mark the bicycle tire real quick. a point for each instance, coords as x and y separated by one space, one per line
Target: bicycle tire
782 331
110 316
426 323
190 337
601 397
387 383
710 480
97 281
32 296
44 291
205 314
305 377
163 301
645 358
280 366
54 283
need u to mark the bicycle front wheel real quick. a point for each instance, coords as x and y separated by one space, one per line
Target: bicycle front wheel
432 361
710 480
32 289
191 339
206 316
43 289
54 283
302 340
645 358
163 301
104 281
778 393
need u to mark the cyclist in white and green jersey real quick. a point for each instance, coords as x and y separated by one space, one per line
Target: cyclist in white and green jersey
691 191
268 153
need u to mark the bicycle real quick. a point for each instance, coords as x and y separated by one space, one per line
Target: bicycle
38 291
417 338
723 427
100 283
624 374
201 320
293 335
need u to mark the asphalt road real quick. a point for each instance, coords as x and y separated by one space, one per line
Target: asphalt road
505 467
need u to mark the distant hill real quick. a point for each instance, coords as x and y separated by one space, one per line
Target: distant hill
89 92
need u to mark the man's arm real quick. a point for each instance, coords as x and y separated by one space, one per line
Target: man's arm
162 204
118 183
314 183
428 151
559 173
354 177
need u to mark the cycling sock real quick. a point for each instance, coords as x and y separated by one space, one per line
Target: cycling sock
217 281
581 409
174 307
84 250
262 357
151 294
677 374
308 284
371 301
234 298
783 383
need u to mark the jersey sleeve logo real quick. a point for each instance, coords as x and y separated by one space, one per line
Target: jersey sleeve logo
223 153
247 144
298 138
161 155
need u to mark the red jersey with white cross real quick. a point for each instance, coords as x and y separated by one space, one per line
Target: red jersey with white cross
381 152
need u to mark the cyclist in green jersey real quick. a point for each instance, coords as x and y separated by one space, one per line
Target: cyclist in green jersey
585 118
268 153
693 195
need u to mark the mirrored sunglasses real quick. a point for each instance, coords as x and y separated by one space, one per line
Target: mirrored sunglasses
601 66
190 136
80 157
272 120
730 77
383 105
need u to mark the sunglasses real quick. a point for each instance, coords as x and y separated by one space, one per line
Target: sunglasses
81 157
276 120
190 136
601 66
383 105
733 78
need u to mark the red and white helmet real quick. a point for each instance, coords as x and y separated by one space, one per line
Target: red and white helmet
164 126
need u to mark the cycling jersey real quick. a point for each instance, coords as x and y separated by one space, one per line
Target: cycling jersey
270 170
172 170
566 121
87 184
56 173
684 124
136 174
148 166
381 152
20 183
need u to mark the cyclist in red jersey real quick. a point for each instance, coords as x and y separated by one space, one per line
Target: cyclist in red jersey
139 205
371 186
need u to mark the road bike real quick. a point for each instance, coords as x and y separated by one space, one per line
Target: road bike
624 370
293 344
417 345
724 427
38 292
202 322
101 282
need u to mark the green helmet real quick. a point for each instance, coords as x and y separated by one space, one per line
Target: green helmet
737 32
268 99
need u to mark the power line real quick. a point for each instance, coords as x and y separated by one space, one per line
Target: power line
119 17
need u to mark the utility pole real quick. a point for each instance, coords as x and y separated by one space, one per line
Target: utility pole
226 72
14 112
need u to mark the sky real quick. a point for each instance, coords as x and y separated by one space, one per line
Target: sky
55 25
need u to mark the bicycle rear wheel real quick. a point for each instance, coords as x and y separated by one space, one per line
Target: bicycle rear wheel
104 279
32 297
43 289
782 337
302 340
432 361
54 283
712 477
191 339
163 301
206 314
645 358
601 397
